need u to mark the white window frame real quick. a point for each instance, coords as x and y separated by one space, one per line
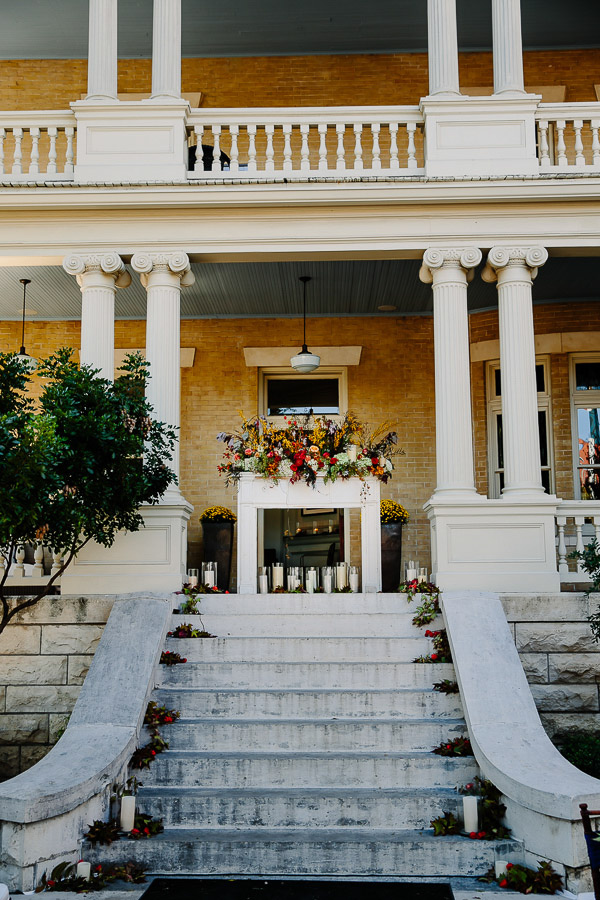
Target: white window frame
494 408
266 374
579 400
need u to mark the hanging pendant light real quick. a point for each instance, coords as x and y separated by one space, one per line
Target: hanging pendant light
22 355
305 361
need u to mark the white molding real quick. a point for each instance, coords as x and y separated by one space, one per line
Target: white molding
270 357
555 342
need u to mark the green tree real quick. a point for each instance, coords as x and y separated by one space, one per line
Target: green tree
77 464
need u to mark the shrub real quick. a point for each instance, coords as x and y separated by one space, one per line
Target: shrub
582 749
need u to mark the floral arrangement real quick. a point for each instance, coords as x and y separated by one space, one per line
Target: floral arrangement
441 648
145 826
307 447
159 715
64 878
447 823
446 686
491 810
186 630
170 658
527 881
458 746
391 511
218 514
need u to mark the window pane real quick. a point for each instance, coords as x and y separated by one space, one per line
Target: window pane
546 480
587 376
498 382
301 396
500 442
589 481
543 425
539 380
588 434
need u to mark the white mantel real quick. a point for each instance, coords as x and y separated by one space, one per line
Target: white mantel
257 493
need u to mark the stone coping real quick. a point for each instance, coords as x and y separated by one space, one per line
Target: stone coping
103 729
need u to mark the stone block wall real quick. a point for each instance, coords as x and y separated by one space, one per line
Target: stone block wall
560 657
44 658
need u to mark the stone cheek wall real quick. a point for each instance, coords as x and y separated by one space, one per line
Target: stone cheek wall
560 657
44 658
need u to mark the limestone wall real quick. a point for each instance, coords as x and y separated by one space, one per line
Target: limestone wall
44 658
560 657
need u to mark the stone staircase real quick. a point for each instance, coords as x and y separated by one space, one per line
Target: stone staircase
304 746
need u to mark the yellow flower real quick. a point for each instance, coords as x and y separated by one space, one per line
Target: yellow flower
218 514
393 512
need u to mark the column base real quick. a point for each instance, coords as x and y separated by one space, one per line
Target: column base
151 559
494 545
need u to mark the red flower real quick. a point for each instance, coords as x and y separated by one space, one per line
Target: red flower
481 835
294 467
429 633
433 656
509 865
375 461
135 830
168 718
333 460
50 883
146 830
185 658
153 752
448 746
472 835
503 883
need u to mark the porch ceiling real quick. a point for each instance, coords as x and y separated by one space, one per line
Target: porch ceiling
37 29
339 288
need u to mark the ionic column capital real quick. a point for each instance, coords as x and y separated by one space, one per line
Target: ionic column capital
174 264
82 264
438 263
513 260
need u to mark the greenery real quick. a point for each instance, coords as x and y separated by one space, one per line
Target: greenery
589 558
458 746
446 686
188 631
582 749
170 658
159 715
103 833
527 881
64 878
441 648
447 823
145 826
491 809
77 464
390 511
218 514
307 446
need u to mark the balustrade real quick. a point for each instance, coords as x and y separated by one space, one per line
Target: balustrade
37 145
568 136
577 524
23 574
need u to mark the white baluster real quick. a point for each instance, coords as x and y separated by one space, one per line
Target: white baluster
304 151
234 164
270 152
216 163
252 149
57 561
560 143
19 570
38 559
376 153
70 133
563 566
595 142
341 153
358 162
2 139
52 131
579 521
394 163
579 155
17 168
199 164
34 165
323 147
287 148
544 149
412 150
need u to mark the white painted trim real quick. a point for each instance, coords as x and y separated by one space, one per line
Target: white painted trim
554 342
288 373
269 357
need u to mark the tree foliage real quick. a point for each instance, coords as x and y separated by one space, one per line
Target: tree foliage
76 464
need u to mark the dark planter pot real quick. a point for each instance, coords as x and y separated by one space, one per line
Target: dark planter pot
391 555
218 547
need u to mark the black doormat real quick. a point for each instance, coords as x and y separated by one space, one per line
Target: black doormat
251 889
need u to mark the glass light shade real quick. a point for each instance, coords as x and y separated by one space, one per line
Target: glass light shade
24 357
305 361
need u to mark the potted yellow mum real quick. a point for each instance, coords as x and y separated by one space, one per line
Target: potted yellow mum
393 516
217 538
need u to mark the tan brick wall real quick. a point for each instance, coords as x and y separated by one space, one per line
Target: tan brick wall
366 79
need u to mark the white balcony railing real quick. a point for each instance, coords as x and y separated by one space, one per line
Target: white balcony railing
25 575
577 524
332 143
567 135
37 146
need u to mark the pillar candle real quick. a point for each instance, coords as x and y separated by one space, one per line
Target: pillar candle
127 813
327 584
470 817
263 584
354 581
209 579
277 576
500 868
341 575
84 869
351 451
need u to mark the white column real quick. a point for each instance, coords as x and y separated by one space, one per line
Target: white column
442 47
102 50
166 49
514 268
163 275
98 275
448 270
508 46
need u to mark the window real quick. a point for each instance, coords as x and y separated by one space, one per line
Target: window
585 424
320 393
495 434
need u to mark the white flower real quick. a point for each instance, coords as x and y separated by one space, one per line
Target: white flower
285 470
389 467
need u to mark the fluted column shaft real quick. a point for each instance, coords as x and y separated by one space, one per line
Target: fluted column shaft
442 47
163 275
102 50
508 46
514 269
98 276
448 272
166 49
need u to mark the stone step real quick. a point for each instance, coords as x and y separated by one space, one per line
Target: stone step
303 704
298 808
363 676
326 734
300 649
304 604
305 624
302 851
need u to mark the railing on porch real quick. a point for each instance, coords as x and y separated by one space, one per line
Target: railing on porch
322 142
567 136
577 523
37 145
29 575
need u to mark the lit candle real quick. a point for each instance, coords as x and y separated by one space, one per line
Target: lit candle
422 576
500 868
209 578
470 817
84 869
127 813
277 571
263 584
341 575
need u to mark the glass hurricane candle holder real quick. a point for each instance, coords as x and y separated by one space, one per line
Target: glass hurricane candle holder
311 579
263 580
354 578
341 575
193 576
294 577
209 574
327 579
422 576
411 569
277 575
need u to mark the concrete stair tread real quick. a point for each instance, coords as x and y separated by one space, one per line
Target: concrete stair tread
312 720
313 754
396 792
176 689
